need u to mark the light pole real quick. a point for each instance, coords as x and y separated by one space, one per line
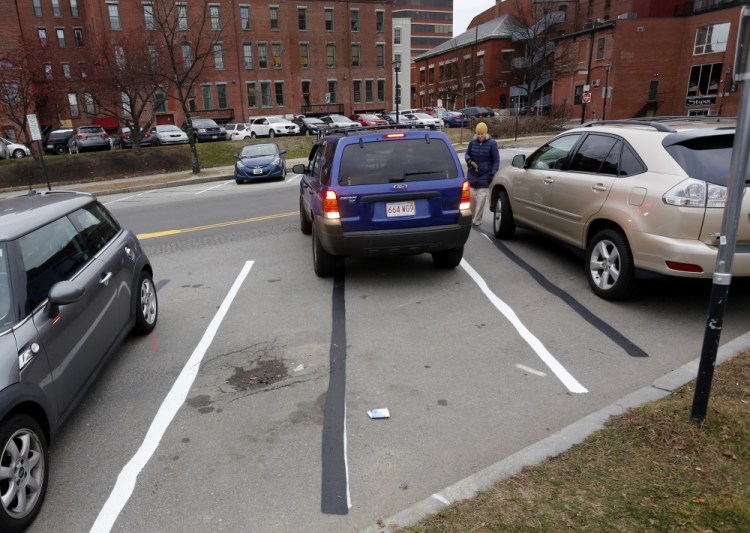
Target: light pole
397 68
588 70
607 68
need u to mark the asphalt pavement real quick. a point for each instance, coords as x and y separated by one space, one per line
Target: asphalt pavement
484 479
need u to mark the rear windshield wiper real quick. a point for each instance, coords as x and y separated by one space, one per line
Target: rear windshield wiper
424 172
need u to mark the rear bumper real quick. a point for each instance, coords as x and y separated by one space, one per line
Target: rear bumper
392 242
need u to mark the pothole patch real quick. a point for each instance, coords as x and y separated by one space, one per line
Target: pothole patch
260 374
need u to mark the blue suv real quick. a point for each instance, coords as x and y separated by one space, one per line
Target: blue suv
369 192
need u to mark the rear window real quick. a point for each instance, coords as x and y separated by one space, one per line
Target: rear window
396 162
705 158
91 129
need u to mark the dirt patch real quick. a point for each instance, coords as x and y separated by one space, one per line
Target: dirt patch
261 374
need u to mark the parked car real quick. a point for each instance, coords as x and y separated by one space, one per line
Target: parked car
168 134
124 138
10 149
88 138
340 121
234 130
454 119
57 141
368 119
205 130
424 120
632 194
309 125
475 112
384 192
73 284
260 161
403 122
271 127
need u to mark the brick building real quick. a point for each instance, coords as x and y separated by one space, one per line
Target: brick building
273 57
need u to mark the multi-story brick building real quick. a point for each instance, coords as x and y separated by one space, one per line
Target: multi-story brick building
273 57
634 57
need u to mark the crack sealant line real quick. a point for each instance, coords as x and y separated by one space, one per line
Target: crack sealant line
562 374
172 403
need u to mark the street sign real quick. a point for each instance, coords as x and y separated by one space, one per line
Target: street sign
36 134
586 98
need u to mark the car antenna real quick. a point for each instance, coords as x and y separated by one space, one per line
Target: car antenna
361 143
427 138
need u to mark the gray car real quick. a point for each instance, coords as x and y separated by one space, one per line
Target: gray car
88 138
73 285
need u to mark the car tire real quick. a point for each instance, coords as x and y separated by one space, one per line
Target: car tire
271 134
247 137
502 219
324 263
305 225
18 154
609 265
253 135
61 149
25 458
307 133
146 306
448 258
238 182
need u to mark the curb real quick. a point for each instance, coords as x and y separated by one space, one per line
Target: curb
553 445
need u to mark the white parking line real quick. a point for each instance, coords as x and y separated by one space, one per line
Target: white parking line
212 188
293 178
530 370
127 198
563 375
175 398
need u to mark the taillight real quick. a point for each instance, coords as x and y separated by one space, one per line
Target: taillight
331 205
684 267
80 136
465 196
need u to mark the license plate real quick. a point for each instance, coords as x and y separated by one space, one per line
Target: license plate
400 209
213 136
257 171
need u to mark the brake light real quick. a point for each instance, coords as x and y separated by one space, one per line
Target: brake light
465 196
331 205
80 136
394 135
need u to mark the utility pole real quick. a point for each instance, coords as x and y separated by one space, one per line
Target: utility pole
607 68
588 71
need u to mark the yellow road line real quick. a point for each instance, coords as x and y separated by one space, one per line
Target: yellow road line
218 225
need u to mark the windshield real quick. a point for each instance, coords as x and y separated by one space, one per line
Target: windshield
203 122
339 118
313 121
404 160
168 128
258 150
277 120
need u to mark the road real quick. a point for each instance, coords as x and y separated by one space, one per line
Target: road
278 369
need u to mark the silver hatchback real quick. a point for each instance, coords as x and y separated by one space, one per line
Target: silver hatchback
73 285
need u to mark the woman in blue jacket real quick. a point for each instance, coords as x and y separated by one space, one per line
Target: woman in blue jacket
483 161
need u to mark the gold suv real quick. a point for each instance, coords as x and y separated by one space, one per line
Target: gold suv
633 194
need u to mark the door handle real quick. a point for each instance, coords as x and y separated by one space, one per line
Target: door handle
549 180
129 252
105 278
598 187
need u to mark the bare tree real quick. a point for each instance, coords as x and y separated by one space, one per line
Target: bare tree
540 62
123 79
185 41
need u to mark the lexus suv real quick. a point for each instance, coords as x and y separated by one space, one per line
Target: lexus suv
384 192
73 285
632 194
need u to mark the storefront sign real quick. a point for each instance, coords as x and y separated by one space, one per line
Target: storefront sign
700 101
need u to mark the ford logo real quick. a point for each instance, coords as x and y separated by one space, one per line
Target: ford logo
400 186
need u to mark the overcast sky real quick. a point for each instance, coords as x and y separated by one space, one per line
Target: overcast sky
465 10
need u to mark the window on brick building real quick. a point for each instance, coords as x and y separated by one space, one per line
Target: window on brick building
712 38
56 8
187 55
302 18
75 111
355 55
42 33
182 17
48 71
119 56
381 90
354 17
431 76
304 55
329 19
357 90
368 90
247 55
206 97
276 54
380 21
245 18
252 95
421 76
113 12
73 8
160 101
60 37
306 92
78 36
600 48
397 35
219 56
480 65
214 13
125 104
37 8
262 55
506 61
273 16
331 55
90 103
265 93
332 98
578 95
704 80
67 73
380 55
221 95
279 92
148 16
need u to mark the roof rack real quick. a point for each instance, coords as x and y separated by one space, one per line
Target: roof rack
633 122
362 129
658 122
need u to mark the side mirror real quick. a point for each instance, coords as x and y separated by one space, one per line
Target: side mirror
518 160
237 156
62 293
299 169
282 152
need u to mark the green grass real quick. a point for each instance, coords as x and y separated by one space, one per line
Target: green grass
650 470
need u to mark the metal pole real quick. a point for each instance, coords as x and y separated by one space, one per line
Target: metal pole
739 174
588 71
606 89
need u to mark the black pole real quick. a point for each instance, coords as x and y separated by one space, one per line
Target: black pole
606 90
588 71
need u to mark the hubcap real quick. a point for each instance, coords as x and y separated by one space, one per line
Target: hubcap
148 301
605 265
21 473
